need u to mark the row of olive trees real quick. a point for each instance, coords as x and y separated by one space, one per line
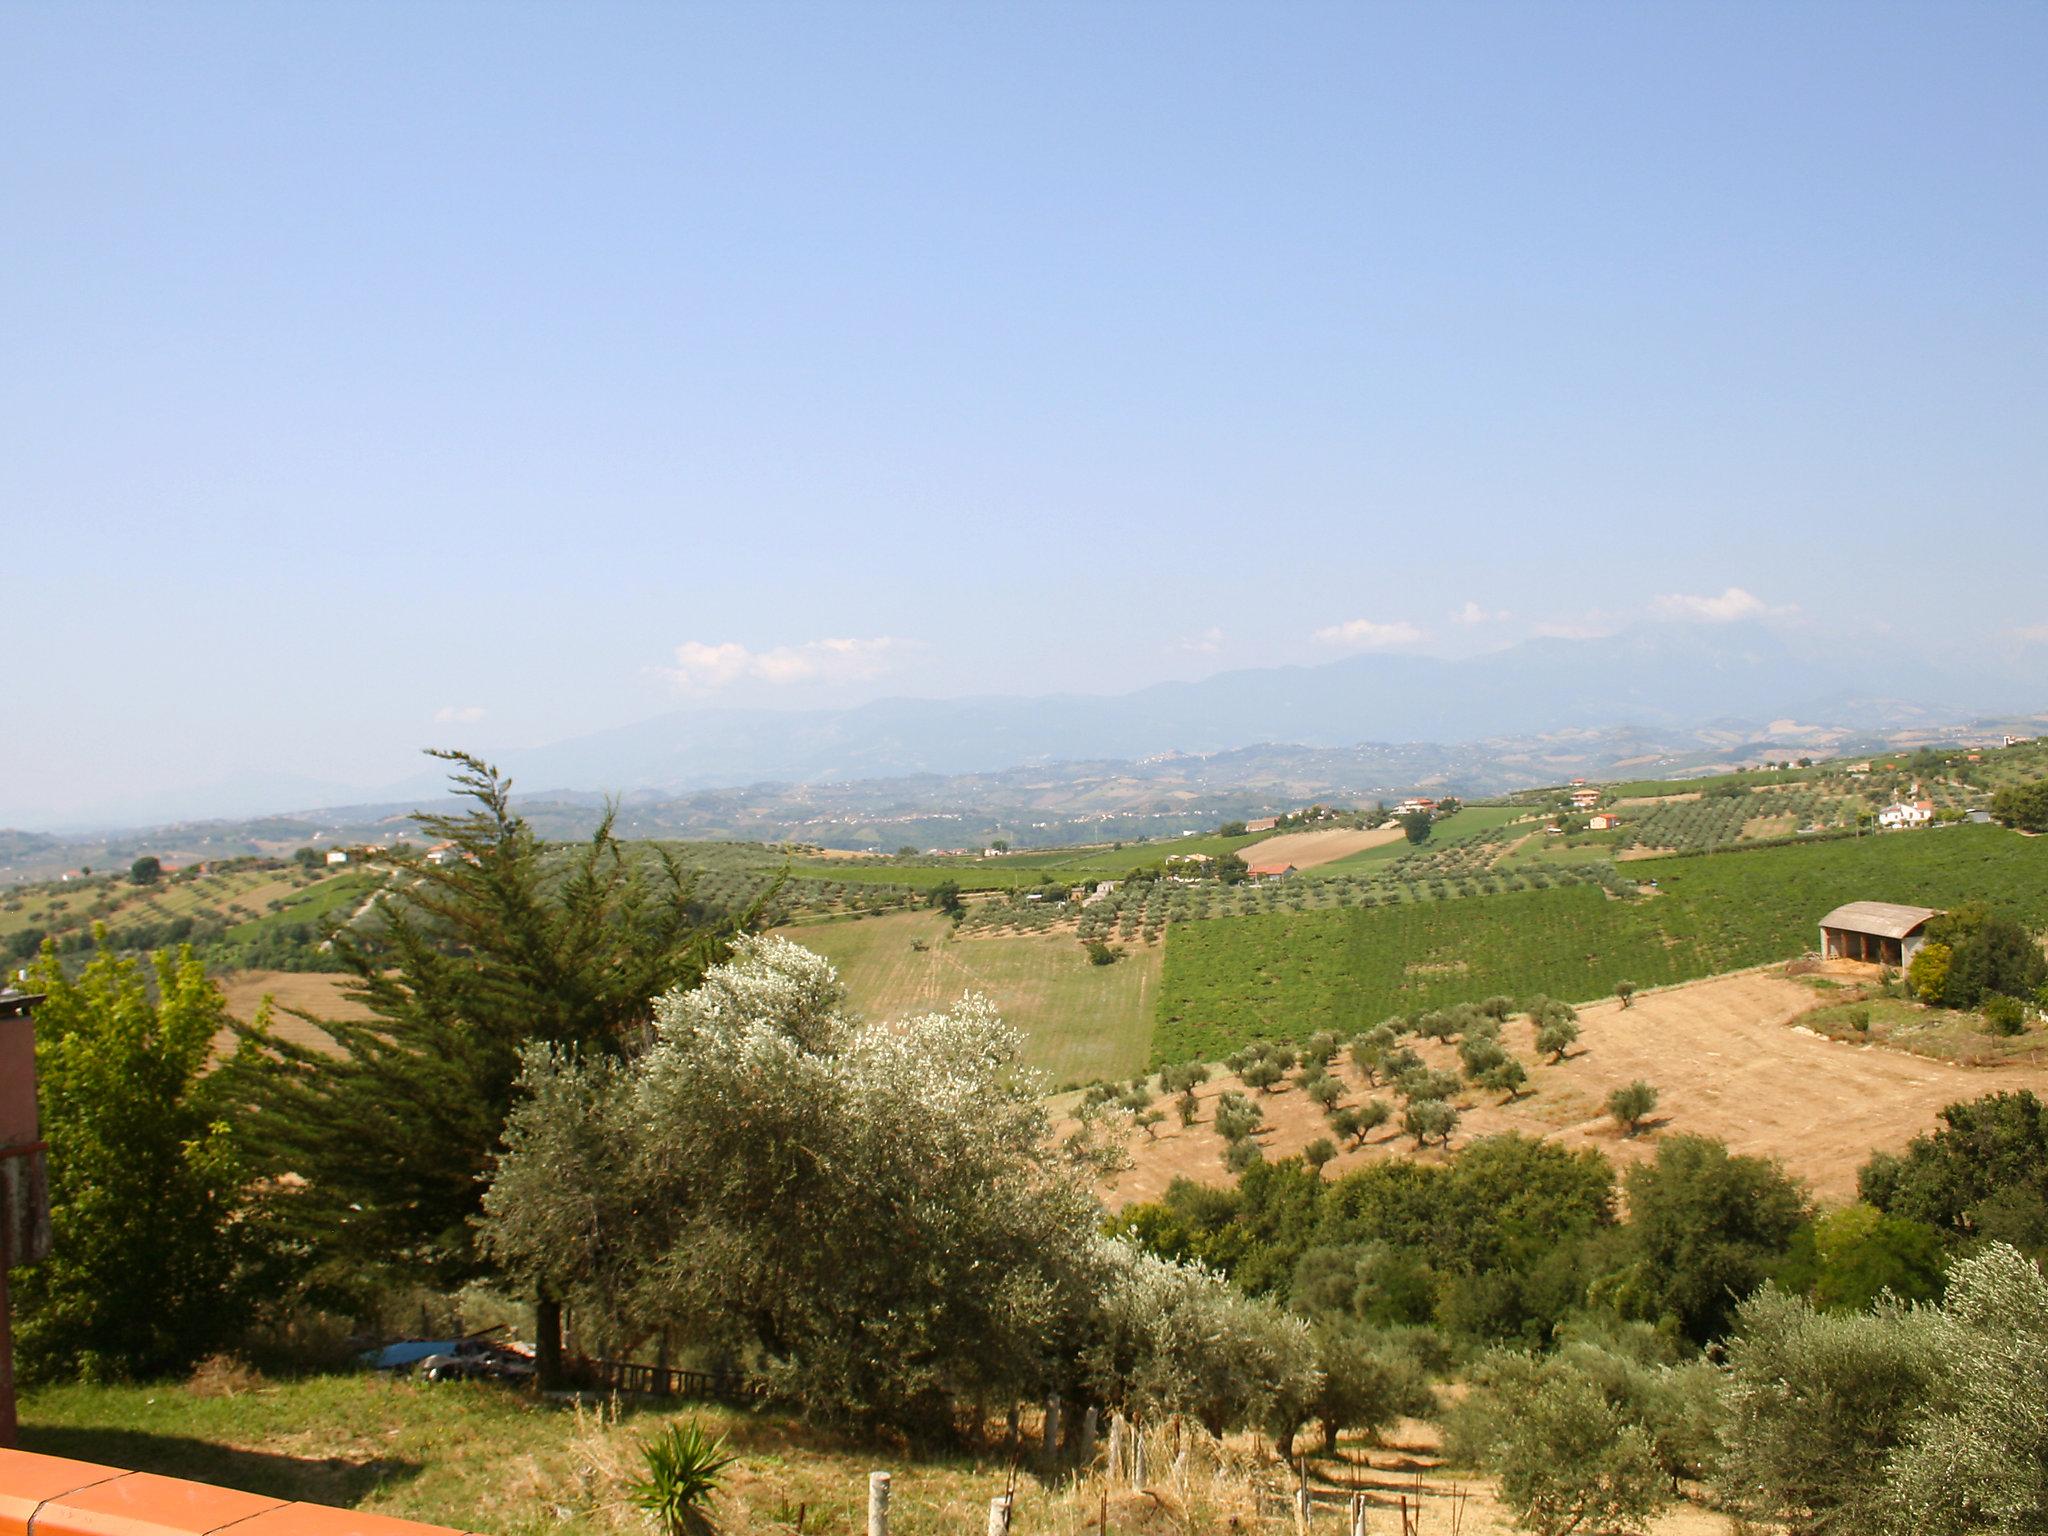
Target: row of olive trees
1926 1420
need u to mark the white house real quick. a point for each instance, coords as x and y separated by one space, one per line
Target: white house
337 855
1603 821
1917 814
1585 799
1415 803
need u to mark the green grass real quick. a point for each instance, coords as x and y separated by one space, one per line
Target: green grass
1080 1021
481 1458
1285 974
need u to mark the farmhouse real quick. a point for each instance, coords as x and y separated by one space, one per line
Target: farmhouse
1585 799
337 856
1415 803
1270 871
1878 931
1603 821
1916 814
1263 824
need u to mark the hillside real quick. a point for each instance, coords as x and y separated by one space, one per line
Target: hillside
1281 975
1729 1056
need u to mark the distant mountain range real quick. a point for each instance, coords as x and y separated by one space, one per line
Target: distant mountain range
1660 697
1663 678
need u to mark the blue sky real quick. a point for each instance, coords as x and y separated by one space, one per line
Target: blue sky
373 376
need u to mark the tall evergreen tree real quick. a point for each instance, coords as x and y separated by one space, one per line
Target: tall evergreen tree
380 1147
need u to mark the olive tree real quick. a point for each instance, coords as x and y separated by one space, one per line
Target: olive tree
876 1217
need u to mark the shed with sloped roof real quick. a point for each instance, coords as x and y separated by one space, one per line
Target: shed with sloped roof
1881 932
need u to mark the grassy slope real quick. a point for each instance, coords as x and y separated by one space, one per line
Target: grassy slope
477 1458
1285 974
1080 1021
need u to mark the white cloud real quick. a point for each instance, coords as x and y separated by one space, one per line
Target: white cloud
704 668
1730 606
1472 613
1591 626
459 714
1206 643
1369 634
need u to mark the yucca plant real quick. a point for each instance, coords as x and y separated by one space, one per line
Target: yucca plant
683 1468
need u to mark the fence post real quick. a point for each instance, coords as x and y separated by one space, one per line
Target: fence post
1138 1458
878 1504
1089 1422
999 1515
1116 1444
1051 1437
1358 1514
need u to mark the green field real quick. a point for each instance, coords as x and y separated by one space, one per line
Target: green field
1284 974
1080 1021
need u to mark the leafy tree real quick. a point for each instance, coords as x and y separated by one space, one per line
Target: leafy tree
1978 1459
391 1136
1241 1154
1367 1385
2024 806
146 870
1416 826
1236 1116
1928 974
746 1182
1569 1461
306 858
1506 1077
1231 829
1262 1074
1326 1091
1982 1176
1705 1227
1631 1105
1319 1153
1188 1107
1626 991
1989 952
1844 1261
1556 1036
1430 1119
149 1270
945 897
1427 1083
2004 1015
1816 1401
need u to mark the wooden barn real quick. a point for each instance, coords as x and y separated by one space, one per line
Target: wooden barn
1880 932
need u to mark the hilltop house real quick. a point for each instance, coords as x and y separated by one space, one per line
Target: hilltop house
1881 932
1903 815
1585 799
1603 821
1415 803
1269 871
337 855
1263 824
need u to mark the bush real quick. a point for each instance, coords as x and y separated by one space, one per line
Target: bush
2004 1015
1568 1461
1631 1105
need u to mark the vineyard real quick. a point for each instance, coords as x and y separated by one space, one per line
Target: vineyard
1284 974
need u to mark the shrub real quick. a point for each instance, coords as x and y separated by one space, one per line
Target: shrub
1568 1461
684 1466
2004 1015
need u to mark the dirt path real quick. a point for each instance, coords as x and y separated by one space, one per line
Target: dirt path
1723 1054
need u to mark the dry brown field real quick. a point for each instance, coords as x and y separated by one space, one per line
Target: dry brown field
315 992
1726 1055
1305 850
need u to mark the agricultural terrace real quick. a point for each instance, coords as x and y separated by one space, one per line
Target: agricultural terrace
1080 1021
1282 975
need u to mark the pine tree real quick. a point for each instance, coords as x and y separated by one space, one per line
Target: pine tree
380 1148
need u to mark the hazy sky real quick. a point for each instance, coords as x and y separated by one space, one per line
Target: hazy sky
380 375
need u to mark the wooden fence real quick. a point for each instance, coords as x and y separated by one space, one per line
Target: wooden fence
665 1381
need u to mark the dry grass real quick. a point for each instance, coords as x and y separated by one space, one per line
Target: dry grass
1306 850
1724 1054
